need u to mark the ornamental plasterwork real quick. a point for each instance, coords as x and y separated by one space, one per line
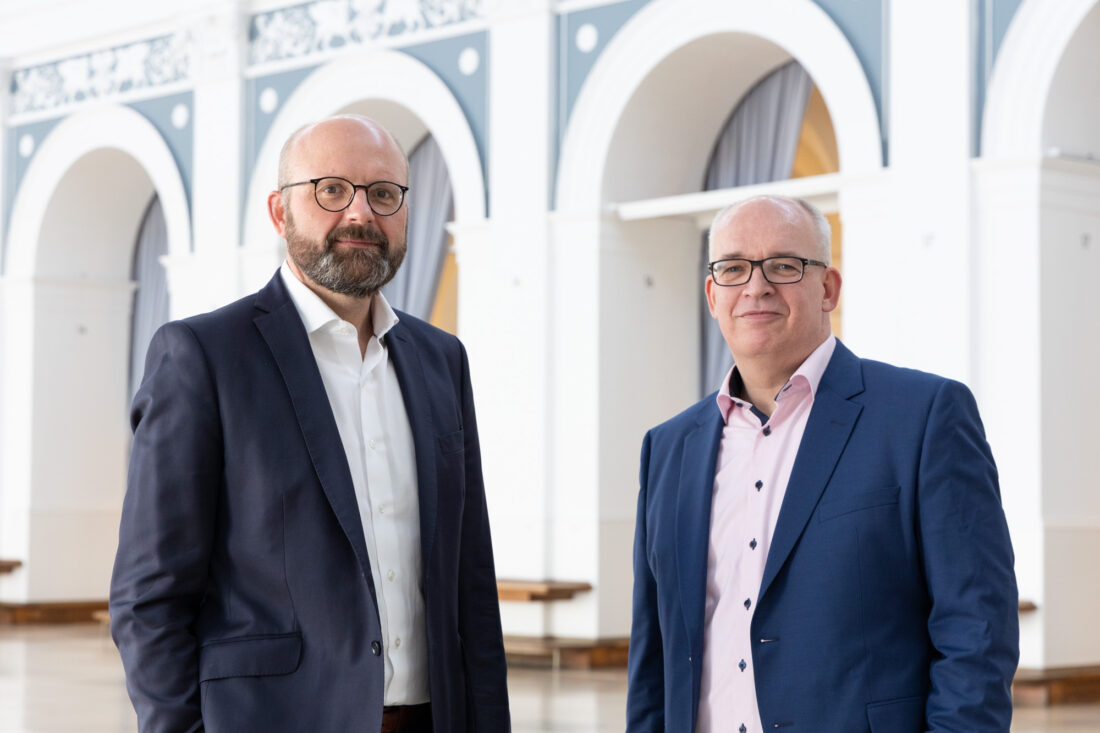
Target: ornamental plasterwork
130 68
323 25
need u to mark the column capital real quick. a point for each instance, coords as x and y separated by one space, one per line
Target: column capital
219 34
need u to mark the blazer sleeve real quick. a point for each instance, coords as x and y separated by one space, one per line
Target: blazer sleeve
645 664
165 536
968 562
479 608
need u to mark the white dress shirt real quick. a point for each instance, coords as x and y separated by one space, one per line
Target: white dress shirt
366 401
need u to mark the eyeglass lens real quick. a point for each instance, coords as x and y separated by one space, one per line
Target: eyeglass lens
336 194
777 270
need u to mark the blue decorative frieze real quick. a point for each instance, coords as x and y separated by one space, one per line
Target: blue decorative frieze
130 68
324 25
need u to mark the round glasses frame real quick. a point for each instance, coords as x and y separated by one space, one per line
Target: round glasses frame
387 185
765 264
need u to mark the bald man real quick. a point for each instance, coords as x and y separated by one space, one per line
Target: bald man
820 544
304 542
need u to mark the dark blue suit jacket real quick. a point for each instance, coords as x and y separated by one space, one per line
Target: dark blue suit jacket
242 597
888 601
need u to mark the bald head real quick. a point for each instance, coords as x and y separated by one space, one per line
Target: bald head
792 209
305 144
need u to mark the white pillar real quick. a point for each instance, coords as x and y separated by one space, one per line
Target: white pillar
1069 323
65 475
927 255
503 307
1008 368
220 38
5 100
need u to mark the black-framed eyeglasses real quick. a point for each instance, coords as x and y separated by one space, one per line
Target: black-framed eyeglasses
776 270
336 194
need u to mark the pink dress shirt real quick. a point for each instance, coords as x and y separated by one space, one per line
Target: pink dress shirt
755 458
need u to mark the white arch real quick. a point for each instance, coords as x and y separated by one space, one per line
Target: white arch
1016 100
96 128
662 27
394 77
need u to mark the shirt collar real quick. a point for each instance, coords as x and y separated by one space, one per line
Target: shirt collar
316 314
809 373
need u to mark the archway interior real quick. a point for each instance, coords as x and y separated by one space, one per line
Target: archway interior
649 270
81 314
662 146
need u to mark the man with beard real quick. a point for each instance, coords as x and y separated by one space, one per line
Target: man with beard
305 525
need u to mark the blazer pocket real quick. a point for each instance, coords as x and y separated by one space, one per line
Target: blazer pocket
857 501
255 656
452 442
897 716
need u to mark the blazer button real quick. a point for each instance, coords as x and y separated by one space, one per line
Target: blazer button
376 648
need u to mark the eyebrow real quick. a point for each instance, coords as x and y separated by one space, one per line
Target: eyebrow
740 256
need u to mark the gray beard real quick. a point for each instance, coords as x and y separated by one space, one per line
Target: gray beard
356 273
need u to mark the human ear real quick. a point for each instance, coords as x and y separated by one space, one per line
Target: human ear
832 290
277 211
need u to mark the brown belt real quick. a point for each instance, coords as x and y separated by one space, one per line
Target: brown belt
407 718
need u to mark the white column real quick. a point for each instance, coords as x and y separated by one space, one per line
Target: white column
1069 324
219 33
1008 368
65 475
927 256
503 307
5 100
16 362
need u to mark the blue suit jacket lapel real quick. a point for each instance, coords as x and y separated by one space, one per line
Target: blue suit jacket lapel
827 431
282 329
694 493
417 394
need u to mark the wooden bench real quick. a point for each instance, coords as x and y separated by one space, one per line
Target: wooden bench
558 651
539 590
7 566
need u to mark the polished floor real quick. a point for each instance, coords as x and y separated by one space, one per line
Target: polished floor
68 679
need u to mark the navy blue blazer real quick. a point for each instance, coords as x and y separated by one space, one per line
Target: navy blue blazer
889 599
242 597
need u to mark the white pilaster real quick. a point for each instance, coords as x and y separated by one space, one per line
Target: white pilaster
220 39
927 256
503 285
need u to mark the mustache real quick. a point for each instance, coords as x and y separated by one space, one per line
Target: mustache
368 233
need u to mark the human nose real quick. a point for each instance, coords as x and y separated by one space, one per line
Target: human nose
359 209
757 283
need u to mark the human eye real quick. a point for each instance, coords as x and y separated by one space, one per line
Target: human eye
732 267
332 187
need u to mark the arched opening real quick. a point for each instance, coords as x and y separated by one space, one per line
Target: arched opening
68 346
630 216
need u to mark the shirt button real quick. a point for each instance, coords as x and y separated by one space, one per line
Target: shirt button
381 508
752 545
759 485
373 445
742 729
391 575
397 642
740 665
376 648
748 602
767 430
